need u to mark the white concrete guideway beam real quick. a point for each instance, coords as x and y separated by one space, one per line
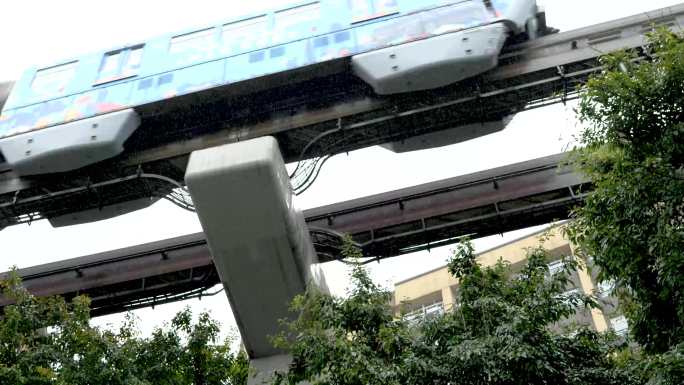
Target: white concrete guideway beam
258 239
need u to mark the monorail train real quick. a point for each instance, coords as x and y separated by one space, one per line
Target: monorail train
81 111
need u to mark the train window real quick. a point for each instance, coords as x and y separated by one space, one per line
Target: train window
343 36
385 7
363 10
398 31
120 64
320 42
134 60
296 23
256 56
245 34
297 15
277 51
53 80
202 41
165 79
110 64
145 84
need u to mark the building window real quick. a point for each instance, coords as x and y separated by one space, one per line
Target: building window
363 10
120 64
619 325
565 297
606 288
53 80
424 312
245 34
556 267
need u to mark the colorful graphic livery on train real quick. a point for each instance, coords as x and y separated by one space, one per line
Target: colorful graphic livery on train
395 46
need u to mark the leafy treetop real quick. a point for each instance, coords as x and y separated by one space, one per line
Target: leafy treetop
500 333
47 341
632 148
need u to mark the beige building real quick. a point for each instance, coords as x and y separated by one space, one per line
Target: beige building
435 291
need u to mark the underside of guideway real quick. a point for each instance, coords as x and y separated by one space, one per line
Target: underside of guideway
398 222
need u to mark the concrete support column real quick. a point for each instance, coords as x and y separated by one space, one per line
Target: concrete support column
448 298
258 240
264 368
597 316
588 288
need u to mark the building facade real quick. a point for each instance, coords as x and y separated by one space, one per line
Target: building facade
435 292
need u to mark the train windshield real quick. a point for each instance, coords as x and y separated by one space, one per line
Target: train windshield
434 22
455 18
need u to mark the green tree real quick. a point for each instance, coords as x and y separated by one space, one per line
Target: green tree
46 341
500 333
632 223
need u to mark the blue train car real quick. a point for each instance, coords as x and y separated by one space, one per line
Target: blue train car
81 111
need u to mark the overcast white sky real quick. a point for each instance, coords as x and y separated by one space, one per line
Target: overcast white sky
35 32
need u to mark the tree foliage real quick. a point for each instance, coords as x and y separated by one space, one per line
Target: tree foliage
47 341
632 223
500 333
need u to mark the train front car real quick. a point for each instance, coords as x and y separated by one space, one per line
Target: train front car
453 42
43 131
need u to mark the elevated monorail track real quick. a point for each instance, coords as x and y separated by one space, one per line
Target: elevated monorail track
384 225
325 108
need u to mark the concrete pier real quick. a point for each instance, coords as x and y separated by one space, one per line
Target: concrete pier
258 239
